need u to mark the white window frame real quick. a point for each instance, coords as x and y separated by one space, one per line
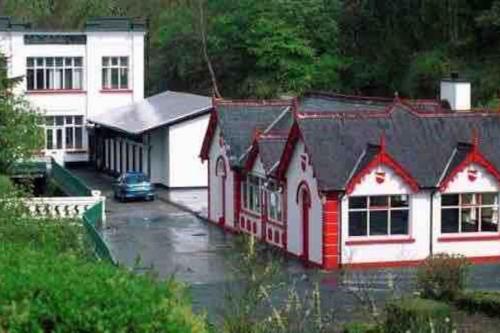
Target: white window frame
251 194
51 66
122 64
387 208
478 205
68 122
274 212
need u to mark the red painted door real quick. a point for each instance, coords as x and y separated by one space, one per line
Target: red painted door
305 225
222 220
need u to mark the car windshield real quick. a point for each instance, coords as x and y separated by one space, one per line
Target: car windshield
136 179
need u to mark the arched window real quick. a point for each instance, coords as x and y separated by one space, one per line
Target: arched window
220 167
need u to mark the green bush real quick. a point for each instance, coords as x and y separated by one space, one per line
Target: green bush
480 301
417 315
361 328
6 185
442 276
43 292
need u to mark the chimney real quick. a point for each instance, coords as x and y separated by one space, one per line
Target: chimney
457 92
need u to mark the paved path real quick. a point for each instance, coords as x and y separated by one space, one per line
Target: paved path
159 236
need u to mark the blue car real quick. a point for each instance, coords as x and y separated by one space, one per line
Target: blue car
133 185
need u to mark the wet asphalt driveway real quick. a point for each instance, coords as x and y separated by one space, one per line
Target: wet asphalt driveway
158 236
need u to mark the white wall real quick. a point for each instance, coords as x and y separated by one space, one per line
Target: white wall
419 224
91 100
475 247
186 139
294 177
215 184
159 155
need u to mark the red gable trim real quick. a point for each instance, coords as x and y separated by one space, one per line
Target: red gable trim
252 156
287 154
473 157
382 158
209 134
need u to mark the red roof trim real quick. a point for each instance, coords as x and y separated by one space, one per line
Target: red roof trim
363 114
209 134
286 156
344 96
253 102
382 158
252 156
473 157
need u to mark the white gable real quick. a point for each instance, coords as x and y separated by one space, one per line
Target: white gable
391 184
473 178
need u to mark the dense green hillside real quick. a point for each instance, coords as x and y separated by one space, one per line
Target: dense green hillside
265 48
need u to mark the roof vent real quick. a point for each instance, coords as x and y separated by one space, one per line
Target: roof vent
457 92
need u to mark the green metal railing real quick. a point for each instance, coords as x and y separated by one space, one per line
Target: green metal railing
91 219
29 168
70 183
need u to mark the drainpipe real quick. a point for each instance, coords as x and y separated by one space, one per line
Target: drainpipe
431 233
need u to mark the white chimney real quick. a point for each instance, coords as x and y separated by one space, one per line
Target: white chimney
457 92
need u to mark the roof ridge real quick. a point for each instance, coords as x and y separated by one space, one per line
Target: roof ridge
253 102
367 114
347 96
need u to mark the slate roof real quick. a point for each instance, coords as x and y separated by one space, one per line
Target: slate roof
115 24
270 151
240 122
421 143
159 110
320 102
8 24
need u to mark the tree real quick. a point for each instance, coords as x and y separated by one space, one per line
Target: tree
20 133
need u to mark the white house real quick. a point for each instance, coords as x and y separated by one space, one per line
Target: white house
71 76
358 181
160 136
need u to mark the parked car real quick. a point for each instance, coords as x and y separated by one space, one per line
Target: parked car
133 185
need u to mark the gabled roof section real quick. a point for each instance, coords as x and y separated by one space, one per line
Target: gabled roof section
420 142
167 108
242 121
463 156
374 157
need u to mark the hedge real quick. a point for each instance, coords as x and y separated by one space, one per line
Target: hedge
43 291
418 316
480 301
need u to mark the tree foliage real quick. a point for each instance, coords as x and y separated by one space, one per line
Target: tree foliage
20 134
261 48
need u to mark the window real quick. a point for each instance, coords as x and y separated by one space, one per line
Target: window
274 211
64 132
54 73
250 191
469 212
378 215
115 73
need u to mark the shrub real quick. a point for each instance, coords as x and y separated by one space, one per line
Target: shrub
480 301
43 292
417 315
442 276
6 185
361 328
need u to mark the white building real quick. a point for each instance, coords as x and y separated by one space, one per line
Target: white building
357 181
71 76
160 136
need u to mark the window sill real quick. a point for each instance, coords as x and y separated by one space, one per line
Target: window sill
251 214
475 238
275 223
116 91
55 91
367 241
